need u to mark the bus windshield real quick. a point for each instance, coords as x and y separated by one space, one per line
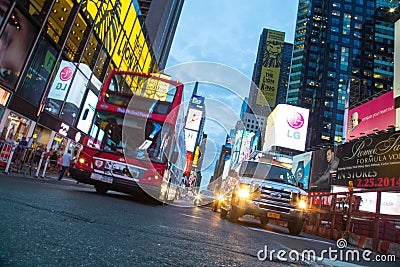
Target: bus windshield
265 171
141 139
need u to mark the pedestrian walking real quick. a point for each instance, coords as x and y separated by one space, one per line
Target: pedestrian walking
66 161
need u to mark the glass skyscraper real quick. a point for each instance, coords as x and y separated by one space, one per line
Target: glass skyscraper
339 45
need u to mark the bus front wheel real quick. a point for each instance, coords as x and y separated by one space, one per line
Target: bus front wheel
101 189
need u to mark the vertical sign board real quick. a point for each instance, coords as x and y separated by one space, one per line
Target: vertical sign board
271 67
301 168
286 127
324 168
370 162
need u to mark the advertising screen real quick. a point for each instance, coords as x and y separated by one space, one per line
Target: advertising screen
193 119
301 168
190 140
286 127
370 162
324 168
87 113
374 115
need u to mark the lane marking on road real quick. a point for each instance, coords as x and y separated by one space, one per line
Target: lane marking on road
191 216
290 236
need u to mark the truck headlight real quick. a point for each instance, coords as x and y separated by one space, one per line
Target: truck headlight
244 192
302 204
197 196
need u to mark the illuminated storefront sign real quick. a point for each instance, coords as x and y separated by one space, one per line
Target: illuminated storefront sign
4 96
63 129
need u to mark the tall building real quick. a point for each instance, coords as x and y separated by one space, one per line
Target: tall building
161 19
270 78
339 45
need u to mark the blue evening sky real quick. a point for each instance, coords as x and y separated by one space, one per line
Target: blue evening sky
225 32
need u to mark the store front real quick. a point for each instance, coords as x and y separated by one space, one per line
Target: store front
16 127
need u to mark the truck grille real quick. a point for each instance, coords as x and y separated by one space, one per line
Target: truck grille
274 199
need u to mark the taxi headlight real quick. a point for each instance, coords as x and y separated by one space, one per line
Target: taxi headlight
244 192
302 204
220 197
197 197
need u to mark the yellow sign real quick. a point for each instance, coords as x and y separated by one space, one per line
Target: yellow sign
196 156
126 43
271 67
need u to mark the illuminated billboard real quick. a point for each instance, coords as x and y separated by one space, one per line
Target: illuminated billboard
301 168
286 127
190 140
127 44
375 115
370 162
194 119
270 69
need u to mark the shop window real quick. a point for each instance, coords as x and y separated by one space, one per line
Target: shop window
16 127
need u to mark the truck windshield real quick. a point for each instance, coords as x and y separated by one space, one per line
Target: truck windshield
141 139
265 171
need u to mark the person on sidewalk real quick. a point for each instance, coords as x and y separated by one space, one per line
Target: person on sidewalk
66 161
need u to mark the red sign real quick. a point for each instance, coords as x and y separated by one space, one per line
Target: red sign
66 73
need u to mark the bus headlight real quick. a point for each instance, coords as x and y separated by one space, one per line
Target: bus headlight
244 192
163 188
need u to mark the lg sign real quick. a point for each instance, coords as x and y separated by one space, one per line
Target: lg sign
295 121
66 74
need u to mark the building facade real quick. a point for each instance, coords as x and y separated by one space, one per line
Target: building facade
270 78
339 46
57 55
161 22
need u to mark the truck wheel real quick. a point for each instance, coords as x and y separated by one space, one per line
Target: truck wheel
234 214
223 213
295 227
101 189
264 220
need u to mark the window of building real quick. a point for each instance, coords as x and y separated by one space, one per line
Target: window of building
58 19
40 67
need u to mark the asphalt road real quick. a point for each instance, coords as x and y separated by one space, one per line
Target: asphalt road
44 222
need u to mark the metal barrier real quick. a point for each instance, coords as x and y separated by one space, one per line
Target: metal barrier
338 215
14 157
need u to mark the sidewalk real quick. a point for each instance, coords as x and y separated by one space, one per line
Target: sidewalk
49 176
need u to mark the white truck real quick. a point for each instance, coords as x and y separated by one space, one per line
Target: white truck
267 191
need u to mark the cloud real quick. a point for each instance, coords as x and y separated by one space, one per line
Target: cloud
228 32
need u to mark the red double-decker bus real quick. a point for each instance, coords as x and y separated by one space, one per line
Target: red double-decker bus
133 137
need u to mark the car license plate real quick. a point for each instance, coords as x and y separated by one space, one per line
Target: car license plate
273 215
101 178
